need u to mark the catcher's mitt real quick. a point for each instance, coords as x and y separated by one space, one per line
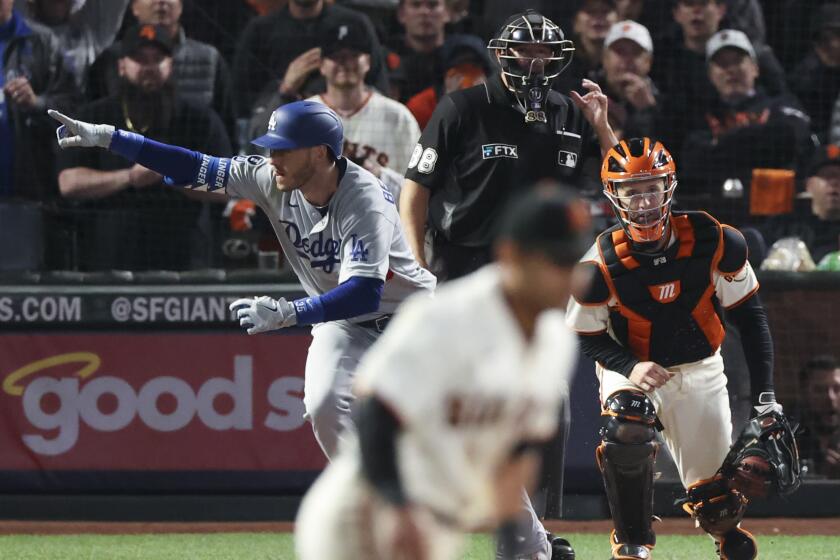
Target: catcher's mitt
765 458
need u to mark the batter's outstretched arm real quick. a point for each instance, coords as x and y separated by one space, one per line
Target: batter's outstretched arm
179 166
414 210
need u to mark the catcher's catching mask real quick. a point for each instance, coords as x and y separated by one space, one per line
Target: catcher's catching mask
639 178
531 51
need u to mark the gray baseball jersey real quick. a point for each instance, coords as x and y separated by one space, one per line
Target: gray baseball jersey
357 234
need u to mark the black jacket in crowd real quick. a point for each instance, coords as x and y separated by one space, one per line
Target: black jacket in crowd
201 76
761 131
36 55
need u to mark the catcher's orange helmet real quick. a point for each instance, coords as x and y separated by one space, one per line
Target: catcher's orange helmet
644 215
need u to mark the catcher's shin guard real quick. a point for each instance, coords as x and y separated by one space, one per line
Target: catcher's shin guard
716 507
625 458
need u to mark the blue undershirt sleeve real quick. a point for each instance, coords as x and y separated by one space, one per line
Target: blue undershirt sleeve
178 165
357 296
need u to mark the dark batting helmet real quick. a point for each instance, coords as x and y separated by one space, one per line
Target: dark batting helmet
303 124
530 28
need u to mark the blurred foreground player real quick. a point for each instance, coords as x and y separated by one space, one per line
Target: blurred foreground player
652 319
456 402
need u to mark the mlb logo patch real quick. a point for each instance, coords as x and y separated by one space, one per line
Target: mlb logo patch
567 159
492 151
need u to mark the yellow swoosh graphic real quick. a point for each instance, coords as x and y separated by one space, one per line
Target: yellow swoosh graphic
90 360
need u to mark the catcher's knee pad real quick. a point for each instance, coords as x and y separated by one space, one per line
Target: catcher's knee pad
737 544
716 507
626 457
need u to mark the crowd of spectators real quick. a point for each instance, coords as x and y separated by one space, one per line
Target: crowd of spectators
746 94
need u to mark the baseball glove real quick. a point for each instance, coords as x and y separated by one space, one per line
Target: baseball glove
765 458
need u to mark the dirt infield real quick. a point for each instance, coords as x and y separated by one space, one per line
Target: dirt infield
772 526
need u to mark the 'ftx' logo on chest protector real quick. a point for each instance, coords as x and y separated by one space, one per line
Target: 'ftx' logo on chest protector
491 151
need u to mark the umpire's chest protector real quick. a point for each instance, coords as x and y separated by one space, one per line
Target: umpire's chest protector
667 310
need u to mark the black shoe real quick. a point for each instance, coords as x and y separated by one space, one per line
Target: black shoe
561 549
737 544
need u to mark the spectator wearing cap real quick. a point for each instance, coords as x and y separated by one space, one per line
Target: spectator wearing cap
683 75
379 132
745 130
626 61
32 77
281 52
465 64
816 79
200 73
84 29
591 23
817 224
120 206
414 57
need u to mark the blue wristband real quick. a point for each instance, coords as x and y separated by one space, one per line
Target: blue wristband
309 310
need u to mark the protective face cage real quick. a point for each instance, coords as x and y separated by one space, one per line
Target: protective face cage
644 216
531 28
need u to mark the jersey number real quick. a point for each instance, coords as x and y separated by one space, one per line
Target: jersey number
424 160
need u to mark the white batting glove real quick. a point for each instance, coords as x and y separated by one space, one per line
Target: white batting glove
79 134
263 314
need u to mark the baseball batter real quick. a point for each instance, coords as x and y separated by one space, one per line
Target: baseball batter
339 229
452 416
652 319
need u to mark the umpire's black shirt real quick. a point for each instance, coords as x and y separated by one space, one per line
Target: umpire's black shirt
477 150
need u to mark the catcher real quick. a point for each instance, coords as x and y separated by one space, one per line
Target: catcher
652 316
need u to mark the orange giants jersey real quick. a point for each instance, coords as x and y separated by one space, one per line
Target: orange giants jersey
667 307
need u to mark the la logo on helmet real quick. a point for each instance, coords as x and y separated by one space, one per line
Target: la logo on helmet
272 122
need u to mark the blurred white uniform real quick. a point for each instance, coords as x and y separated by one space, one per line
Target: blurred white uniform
467 388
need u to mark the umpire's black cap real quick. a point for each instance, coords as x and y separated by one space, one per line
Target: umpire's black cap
551 219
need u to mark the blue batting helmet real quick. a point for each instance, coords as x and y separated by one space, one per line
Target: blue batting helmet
303 124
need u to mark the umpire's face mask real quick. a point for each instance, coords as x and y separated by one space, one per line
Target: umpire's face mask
536 92
533 89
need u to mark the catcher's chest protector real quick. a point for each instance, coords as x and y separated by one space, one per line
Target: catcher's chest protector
668 311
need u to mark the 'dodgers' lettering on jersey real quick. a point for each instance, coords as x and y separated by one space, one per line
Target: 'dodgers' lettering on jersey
319 251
